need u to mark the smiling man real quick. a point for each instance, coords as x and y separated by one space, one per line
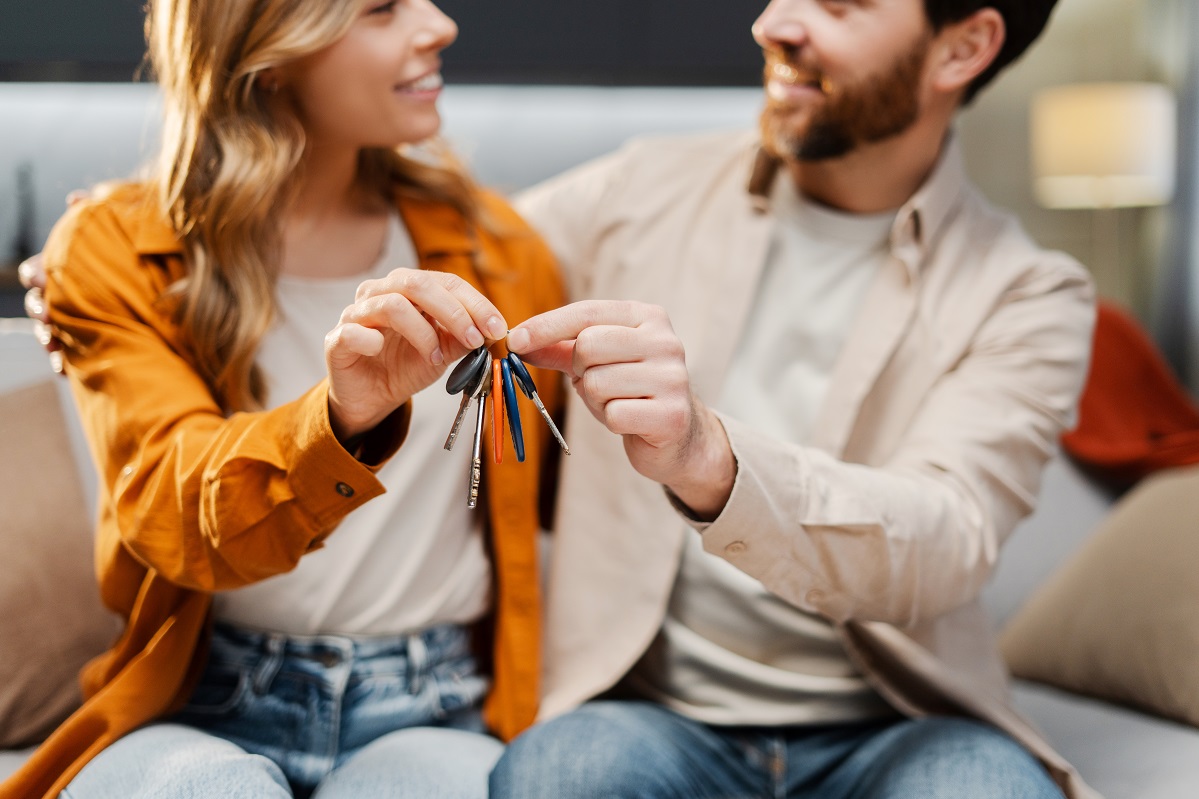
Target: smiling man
877 365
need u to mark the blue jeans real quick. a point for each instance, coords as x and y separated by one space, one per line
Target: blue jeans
322 716
626 749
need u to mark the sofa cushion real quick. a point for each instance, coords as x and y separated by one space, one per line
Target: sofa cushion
1120 620
51 619
1120 753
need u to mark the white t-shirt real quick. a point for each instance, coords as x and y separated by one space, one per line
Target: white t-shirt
730 652
407 560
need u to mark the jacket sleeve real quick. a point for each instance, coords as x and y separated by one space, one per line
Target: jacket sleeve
210 502
917 535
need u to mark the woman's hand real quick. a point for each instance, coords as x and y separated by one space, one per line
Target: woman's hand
628 366
397 339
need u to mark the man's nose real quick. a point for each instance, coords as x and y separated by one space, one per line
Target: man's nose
781 26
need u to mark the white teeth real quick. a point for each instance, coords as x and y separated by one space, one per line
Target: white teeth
429 83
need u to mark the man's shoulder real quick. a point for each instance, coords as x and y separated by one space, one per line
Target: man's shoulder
999 236
688 154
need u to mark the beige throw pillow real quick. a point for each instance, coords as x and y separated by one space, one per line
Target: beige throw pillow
51 619
1120 620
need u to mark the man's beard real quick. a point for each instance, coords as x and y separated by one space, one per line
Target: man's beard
882 106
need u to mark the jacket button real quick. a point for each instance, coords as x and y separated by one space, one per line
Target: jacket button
345 490
735 548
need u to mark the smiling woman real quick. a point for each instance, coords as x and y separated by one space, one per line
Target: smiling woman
300 579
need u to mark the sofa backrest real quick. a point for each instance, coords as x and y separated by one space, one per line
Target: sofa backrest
64 136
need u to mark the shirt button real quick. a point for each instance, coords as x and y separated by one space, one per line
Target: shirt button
735 548
345 490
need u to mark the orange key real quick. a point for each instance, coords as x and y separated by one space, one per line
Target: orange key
497 412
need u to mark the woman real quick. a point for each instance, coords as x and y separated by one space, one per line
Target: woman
284 635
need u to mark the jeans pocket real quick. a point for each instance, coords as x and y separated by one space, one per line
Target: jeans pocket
222 690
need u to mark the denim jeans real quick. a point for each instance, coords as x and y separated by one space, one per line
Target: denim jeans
626 749
323 716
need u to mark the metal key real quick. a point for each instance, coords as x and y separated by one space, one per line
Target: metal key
525 381
469 394
476 456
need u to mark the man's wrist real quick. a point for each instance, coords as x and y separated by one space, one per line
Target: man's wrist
711 470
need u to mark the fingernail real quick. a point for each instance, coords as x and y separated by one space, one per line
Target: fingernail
497 328
474 338
518 340
437 358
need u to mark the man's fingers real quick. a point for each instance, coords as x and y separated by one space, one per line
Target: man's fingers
35 305
32 272
567 322
559 357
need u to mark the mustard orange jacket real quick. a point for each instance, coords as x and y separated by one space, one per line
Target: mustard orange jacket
193 501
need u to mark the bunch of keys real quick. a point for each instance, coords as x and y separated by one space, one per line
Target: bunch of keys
483 377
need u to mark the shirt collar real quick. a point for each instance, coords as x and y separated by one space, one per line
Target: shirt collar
921 219
918 222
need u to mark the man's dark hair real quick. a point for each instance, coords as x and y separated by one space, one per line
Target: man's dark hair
1024 20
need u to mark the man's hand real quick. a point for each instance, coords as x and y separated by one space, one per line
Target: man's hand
629 368
32 274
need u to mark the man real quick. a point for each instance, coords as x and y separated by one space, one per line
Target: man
877 366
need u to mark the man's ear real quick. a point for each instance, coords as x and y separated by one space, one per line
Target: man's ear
963 50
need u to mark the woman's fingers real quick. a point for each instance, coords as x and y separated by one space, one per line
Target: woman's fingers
348 342
396 313
447 300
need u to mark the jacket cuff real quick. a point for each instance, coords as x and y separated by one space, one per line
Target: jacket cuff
330 481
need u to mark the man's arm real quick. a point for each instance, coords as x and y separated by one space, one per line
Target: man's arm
898 541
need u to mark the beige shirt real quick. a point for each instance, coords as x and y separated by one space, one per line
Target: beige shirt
962 367
409 559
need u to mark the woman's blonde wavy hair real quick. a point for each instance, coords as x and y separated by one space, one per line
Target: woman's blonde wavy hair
229 161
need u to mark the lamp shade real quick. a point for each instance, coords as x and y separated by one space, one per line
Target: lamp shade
1103 145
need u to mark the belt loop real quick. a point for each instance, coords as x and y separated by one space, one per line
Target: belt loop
268 666
418 660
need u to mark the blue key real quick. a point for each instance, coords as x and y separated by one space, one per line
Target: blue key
518 438
525 381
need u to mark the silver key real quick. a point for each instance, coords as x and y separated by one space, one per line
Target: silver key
476 456
469 394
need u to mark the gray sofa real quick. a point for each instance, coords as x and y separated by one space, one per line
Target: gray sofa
513 136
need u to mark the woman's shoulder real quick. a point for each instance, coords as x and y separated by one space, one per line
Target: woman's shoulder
102 239
116 216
